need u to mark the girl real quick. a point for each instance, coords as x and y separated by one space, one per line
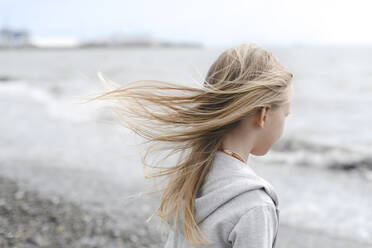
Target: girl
212 196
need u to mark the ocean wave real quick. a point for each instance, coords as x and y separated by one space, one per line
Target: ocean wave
316 154
293 144
7 79
60 106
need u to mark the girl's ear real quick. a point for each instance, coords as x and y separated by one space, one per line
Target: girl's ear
261 116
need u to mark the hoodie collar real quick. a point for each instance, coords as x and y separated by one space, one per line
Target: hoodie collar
227 178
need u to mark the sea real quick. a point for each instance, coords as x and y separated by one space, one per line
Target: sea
330 121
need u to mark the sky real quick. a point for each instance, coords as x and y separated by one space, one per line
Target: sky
211 23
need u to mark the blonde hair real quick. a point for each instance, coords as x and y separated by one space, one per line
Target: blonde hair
193 121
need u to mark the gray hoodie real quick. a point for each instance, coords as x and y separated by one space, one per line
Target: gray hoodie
234 208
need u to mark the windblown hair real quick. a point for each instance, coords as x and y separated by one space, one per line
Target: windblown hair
193 121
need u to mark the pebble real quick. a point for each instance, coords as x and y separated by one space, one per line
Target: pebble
52 222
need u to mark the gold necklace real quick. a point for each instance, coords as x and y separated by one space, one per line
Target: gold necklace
231 153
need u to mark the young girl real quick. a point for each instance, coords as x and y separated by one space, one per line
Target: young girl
212 196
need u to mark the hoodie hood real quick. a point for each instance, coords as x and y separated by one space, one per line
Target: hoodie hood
228 177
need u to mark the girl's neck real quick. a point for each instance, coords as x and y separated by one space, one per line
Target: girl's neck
233 154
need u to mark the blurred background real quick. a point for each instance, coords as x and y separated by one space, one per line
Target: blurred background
70 174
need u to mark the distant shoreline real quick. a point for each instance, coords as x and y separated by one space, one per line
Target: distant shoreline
108 46
168 46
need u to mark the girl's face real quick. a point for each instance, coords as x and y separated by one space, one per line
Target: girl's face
258 133
271 126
